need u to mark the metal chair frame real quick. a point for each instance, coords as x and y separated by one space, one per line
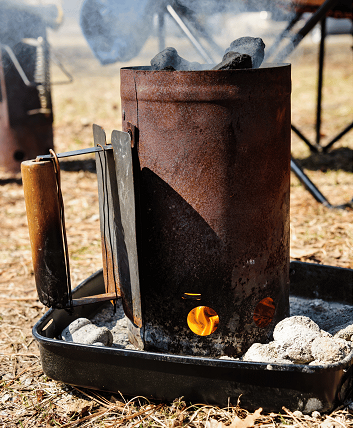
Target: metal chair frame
182 18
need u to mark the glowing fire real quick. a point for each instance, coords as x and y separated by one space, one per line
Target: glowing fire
202 320
191 296
264 312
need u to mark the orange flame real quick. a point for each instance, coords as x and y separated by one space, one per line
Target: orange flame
264 312
202 320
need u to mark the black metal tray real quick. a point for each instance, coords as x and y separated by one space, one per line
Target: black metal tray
201 380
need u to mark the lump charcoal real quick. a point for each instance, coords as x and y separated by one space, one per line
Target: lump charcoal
345 333
253 46
83 331
298 329
327 350
267 353
233 61
168 68
74 326
169 59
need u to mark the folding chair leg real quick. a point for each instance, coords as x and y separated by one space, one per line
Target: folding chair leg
312 189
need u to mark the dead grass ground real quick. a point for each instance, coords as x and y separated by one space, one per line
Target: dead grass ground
27 397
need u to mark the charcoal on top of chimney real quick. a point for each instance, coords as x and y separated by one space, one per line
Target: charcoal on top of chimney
245 52
169 59
253 46
234 61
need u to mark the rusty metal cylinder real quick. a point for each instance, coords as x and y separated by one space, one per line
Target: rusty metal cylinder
26 117
43 214
211 162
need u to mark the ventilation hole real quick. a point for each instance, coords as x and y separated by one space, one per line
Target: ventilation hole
191 296
264 312
202 320
19 155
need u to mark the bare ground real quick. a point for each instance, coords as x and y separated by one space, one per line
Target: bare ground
319 235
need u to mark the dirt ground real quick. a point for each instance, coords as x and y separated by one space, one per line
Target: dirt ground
318 235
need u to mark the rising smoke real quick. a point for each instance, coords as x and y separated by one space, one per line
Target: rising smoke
117 30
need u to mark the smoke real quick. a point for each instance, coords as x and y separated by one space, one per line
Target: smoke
23 26
117 30
130 32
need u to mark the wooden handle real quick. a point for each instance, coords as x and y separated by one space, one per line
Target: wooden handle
45 233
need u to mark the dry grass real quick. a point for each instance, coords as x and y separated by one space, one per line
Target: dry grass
27 397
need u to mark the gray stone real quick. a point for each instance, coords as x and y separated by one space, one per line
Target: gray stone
253 46
233 61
